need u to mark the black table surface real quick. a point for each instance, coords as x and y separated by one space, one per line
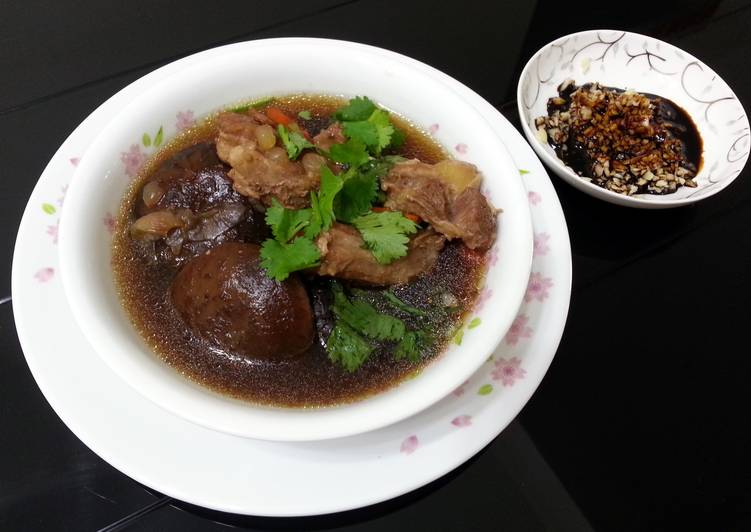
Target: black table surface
642 422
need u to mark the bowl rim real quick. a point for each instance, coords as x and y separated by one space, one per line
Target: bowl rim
279 431
587 187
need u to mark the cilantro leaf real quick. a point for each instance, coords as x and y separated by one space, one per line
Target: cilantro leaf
360 190
384 129
281 259
385 234
375 132
353 152
305 115
365 319
286 223
398 138
293 141
401 305
362 130
331 184
316 223
358 108
410 345
346 347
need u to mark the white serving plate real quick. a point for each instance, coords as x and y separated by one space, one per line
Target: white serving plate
252 477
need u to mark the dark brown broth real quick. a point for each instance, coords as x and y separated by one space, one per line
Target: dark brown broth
311 380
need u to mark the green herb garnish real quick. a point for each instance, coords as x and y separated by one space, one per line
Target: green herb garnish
358 322
360 189
346 347
280 259
365 319
293 141
385 234
278 254
305 115
286 223
401 305
323 203
358 108
410 346
353 153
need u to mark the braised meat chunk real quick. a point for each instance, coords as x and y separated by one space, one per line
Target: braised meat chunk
446 195
344 255
260 169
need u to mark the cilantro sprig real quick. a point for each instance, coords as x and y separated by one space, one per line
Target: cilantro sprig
368 125
358 324
293 142
364 318
385 234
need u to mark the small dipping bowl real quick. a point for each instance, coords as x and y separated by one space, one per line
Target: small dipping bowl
625 60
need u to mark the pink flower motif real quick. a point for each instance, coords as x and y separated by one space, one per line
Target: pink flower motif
537 288
461 148
462 421
410 445
133 159
62 198
109 223
485 294
534 197
507 371
74 160
541 244
518 330
433 129
44 275
52 231
461 389
185 120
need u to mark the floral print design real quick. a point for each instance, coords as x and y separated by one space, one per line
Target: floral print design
485 294
185 119
410 445
460 390
541 244
433 129
52 230
534 197
518 330
44 275
109 223
74 160
133 160
461 148
61 199
538 287
462 421
508 371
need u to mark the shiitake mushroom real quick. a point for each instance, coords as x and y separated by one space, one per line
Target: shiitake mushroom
226 297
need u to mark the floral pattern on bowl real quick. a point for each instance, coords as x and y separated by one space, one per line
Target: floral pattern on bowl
632 61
